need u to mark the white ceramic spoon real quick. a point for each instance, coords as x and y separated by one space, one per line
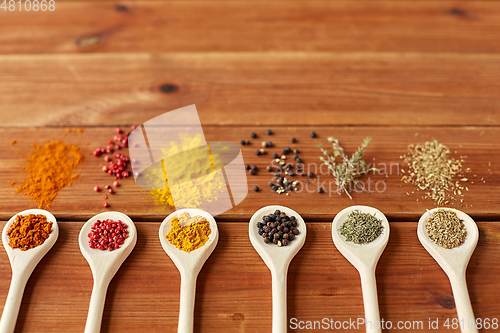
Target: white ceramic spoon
454 263
188 264
365 258
277 259
23 263
104 265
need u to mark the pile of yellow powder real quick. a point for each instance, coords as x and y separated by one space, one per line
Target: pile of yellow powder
188 233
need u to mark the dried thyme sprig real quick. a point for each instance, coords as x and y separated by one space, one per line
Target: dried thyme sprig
446 229
432 170
361 228
349 169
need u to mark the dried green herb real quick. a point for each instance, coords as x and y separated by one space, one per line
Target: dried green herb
446 229
432 170
361 228
348 170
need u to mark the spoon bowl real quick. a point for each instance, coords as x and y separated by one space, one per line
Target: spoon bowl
277 260
188 264
104 264
364 257
23 263
454 263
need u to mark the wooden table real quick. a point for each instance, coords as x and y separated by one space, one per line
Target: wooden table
400 72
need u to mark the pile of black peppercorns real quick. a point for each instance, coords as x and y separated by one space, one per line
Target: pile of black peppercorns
278 228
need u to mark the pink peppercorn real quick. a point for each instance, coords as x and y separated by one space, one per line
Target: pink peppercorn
104 196
105 204
133 127
111 191
118 130
116 184
97 188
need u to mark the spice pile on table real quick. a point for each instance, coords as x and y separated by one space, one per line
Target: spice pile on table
188 233
107 234
117 168
446 229
283 171
431 170
29 231
361 228
50 167
348 170
190 157
278 228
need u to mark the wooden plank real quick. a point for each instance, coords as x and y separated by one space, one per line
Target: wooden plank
251 88
479 144
200 26
234 286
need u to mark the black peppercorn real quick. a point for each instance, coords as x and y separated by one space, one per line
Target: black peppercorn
299 160
311 174
261 231
285 236
253 135
320 190
254 167
252 172
256 188
313 134
275 155
269 168
279 228
274 188
285 230
247 167
276 236
269 144
260 225
277 212
285 242
295 231
296 151
284 151
275 241
267 240
269 132
293 140
242 142
291 237
258 152
295 157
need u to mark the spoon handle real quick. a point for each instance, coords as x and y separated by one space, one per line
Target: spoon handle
13 303
96 308
188 294
370 301
462 303
279 280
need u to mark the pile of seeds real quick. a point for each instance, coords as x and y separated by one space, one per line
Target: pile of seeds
278 228
361 228
117 168
283 171
107 234
432 170
446 229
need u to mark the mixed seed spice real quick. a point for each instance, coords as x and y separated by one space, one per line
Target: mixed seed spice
278 228
446 229
432 170
361 228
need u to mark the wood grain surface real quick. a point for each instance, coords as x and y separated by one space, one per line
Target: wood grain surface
228 26
400 72
388 193
259 88
234 286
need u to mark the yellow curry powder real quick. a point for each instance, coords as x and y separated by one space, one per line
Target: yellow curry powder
193 196
193 233
29 231
50 167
